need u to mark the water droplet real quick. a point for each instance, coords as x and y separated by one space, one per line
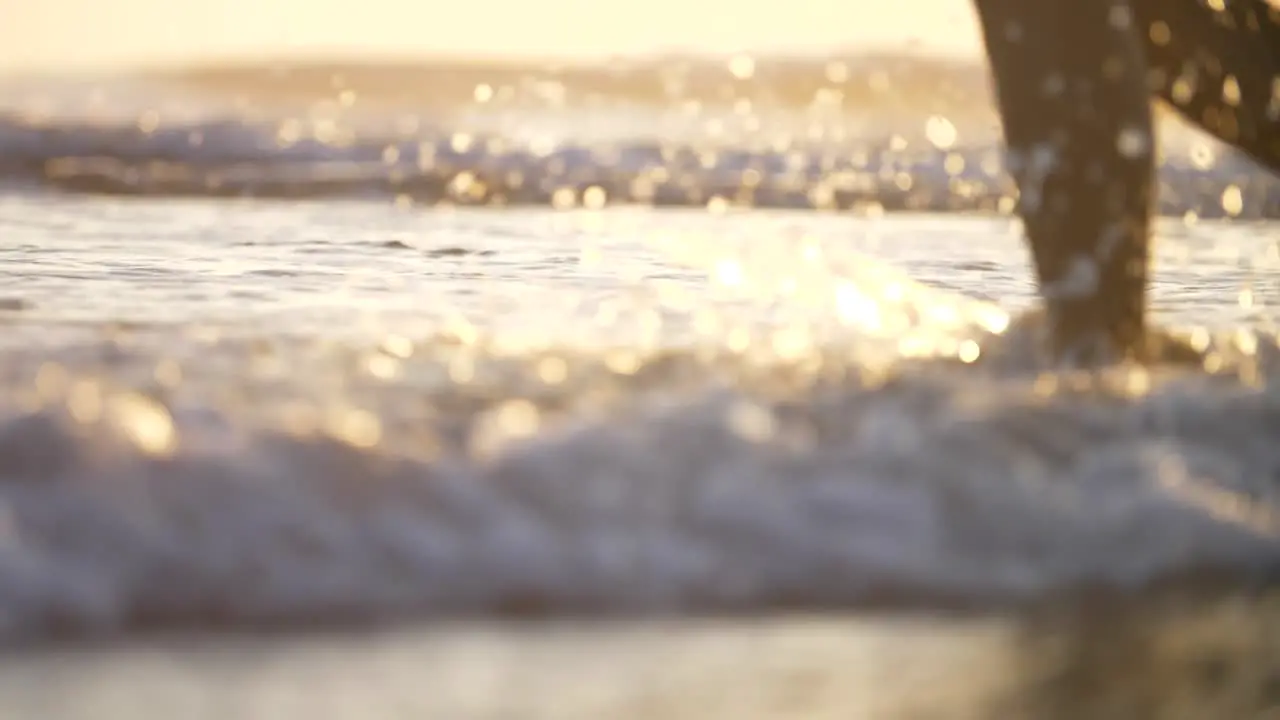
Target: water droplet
1231 91
594 198
742 66
145 422
1233 200
553 370
941 132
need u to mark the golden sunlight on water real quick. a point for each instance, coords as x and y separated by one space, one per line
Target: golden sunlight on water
417 412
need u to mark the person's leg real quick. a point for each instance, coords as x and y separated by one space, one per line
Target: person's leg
1071 83
1219 68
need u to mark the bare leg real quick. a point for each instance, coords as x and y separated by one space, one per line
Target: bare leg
1072 86
1219 68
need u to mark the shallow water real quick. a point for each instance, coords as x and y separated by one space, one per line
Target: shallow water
263 412
1111 661
233 415
826 132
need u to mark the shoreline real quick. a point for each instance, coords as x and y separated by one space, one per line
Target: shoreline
1169 658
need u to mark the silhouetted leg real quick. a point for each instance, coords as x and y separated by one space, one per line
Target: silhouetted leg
1071 82
1219 68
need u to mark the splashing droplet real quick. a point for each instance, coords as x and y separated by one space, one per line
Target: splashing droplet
1233 200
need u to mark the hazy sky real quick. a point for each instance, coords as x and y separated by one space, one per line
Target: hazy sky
52 34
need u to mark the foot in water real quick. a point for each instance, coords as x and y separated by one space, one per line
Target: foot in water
1156 346
1075 82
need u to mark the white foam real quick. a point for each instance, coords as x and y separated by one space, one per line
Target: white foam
253 501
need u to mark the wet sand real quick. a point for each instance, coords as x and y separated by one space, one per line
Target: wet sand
1103 659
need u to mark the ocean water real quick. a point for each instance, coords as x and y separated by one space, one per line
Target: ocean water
322 384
